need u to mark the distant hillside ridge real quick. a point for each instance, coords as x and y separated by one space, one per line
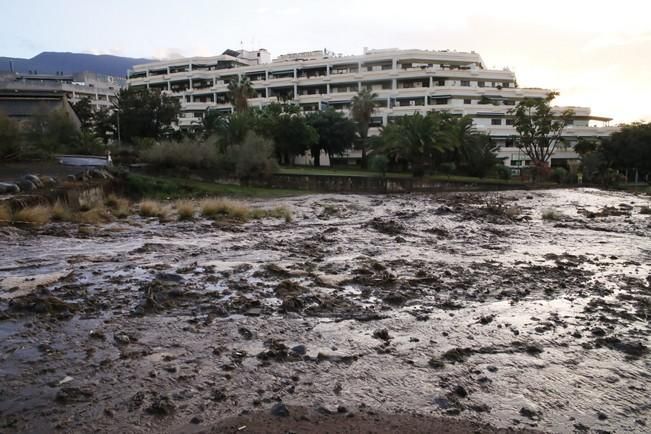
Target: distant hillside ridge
71 63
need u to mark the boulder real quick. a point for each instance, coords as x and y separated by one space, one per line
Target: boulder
34 179
6 188
26 185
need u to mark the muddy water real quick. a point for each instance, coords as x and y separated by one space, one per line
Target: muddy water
462 305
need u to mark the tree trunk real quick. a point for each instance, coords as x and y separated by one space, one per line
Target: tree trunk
317 159
364 162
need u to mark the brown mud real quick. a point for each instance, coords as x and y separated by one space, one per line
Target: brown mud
426 312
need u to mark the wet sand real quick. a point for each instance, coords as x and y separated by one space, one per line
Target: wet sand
468 308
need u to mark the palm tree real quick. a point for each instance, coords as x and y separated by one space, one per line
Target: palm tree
362 110
239 92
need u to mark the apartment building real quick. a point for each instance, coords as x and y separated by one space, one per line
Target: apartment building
100 89
405 81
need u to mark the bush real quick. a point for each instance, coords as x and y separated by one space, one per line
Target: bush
559 174
503 172
9 138
33 215
215 208
185 209
253 159
5 215
150 208
61 212
379 163
190 154
447 168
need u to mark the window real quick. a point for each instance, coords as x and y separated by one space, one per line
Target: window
516 162
505 84
496 121
509 122
441 101
465 83
509 102
467 101
481 83
440 83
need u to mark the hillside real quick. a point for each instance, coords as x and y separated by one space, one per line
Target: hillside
70 63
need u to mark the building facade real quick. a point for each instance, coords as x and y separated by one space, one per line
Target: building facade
405 81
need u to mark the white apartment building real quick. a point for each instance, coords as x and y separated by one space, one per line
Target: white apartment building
405 81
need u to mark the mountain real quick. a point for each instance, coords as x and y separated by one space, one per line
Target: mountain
70 63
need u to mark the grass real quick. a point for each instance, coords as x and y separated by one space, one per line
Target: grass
335 171
184 209
5 215
151 208
552 215
216 208
34 215
94 216
119 206
160 187
60 212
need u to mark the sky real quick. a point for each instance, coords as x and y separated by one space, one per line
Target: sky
595 53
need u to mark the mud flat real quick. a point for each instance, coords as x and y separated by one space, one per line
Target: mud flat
458 312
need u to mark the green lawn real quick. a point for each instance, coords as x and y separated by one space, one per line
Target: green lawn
334 171
163 187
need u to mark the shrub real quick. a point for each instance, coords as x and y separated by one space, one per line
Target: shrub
94 216
187 153
150 208
119 206
379 163
559 174
215 208
61 212
503 172
9 138
253 159
185 209
447 168
280 212
5 215
34 215
552 214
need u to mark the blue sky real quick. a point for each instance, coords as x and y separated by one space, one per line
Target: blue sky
596 53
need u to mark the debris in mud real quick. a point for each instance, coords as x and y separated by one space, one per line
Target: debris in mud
388 227
458 355
42 302
70 394
633 350
161 405
531 412
382 334
279 409
245 333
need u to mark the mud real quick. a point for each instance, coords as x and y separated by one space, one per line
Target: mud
463 307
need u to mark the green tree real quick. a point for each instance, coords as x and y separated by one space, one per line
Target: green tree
84 110
629 149
145 113
105 124
51 131
289 129
419 139
363 107
478 155
539 128
239 92
10 145
336 133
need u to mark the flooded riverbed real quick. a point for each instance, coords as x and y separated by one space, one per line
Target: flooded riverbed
467 306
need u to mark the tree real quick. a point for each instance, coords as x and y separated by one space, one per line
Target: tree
478 155
84 110
363 106
239 92
539 128
9 138
419 139
51 131
289 129
629 149
336 133
105 124
145 113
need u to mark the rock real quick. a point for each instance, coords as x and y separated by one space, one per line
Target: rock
341 409
395 299
436 363
399 239
196 420
26 185
245 333
218 395
7 188
122 339
34 180
530 411
48 181
382 334
279 409
442 402
491 368
299 350
460 391
161 406
601 415
169 277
